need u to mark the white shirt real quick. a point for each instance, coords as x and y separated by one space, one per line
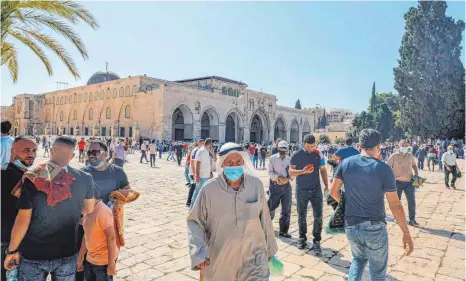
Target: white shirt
112 146
203 156
143 146
449 158
193 160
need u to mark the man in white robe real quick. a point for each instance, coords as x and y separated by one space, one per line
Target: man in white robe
231 236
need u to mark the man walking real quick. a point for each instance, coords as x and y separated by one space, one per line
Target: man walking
306 165
280 187
52 198
421 154
203 167
403 164
450 167
192 171
119 155
153 153
24 153
347 151
81 146
263 155
367 180
143 152
179 152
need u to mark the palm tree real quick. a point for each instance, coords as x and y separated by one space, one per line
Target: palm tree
26 22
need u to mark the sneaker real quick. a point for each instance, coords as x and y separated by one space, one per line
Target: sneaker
317 249
302 243
413 223
285 235
453 186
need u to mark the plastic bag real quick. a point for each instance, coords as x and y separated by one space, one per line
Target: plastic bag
276 267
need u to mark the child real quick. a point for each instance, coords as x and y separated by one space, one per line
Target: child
100 244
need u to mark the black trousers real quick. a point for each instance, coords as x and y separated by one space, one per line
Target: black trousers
179 156
143 155
96 272
192 187
447 174
280 193
303 197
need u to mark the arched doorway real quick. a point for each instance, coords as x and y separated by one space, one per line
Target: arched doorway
257 130
294 131
280 130
205 126
233 123
209 124
306 128
182 123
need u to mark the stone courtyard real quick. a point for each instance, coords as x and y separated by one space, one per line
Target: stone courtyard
156 235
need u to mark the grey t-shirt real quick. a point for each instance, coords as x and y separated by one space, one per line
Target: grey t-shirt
366 181
112 178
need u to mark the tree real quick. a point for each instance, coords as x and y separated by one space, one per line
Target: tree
298 104
323 139
384 121
363 120
26 22
430 75
373 100
339 141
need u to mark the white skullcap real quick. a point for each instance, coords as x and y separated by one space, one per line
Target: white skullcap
283 144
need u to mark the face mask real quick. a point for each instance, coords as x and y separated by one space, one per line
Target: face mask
100 164
404 149
20 164
233 173
282 153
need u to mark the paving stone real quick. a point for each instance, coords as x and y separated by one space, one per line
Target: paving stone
309 273
305 260
417 266
402 276
176 276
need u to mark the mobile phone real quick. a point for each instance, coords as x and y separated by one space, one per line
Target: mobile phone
309 166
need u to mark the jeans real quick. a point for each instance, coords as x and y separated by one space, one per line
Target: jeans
262 162
280 193
94 272
447 175
429 161
255 160
420 163
160 154
152 159
179 156
119 162
170 155
37 270
186 174
143 155
197 190
369 242
408 188
192 187
440 165
303 196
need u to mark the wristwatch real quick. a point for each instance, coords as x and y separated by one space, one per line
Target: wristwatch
8 252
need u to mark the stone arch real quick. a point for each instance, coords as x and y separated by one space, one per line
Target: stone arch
209 123
294 131
182 122
233 116
306 128
280 128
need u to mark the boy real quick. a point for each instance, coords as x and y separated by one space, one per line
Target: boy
100 244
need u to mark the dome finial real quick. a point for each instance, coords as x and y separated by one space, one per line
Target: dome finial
106 66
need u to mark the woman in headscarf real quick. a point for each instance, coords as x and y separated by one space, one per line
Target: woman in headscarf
231 236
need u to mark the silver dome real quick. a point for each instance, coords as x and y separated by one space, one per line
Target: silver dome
102 76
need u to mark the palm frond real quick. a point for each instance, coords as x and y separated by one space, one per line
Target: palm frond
27 40
8 54
57 48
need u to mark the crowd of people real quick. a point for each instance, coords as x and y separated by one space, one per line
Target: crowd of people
231 235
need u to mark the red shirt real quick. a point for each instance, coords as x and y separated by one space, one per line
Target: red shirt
252 149
81 145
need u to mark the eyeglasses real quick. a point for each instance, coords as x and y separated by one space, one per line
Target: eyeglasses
93 152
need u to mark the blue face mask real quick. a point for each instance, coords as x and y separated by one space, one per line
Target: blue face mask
404 149
98 165
233 173
20 164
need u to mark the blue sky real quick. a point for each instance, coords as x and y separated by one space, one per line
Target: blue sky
326 53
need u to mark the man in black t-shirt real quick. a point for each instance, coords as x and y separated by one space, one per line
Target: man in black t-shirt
24 152
306 165
44 230
179 152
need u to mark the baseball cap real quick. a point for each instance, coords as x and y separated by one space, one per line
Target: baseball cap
208 141
309 139
283 144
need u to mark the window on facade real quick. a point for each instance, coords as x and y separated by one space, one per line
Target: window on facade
134 89
102 94
80 97
75 114
90 96
108 94
61 100
75 98
66 100
90 114
115 93
108 113
85 97
230 91
224 90
127 91
127 111
61 115
122 92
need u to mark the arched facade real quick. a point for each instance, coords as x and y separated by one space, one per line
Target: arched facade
233 126
210 124
182 123
294 131
306 128
280 128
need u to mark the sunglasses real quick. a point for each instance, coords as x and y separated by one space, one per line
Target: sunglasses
93 152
